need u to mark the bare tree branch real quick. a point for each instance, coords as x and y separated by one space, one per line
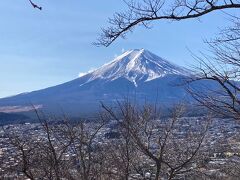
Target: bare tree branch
146 11
221 69
35 5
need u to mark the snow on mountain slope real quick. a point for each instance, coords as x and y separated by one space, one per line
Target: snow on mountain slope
138 73
136 66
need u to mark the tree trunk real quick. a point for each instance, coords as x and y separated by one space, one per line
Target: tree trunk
158 171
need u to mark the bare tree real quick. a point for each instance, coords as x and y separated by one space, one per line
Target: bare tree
43 156
89 156
220 75
122 155
162 152
145 11
54 148
149 146
220 88
25 152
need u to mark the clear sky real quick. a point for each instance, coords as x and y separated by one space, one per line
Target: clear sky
39 49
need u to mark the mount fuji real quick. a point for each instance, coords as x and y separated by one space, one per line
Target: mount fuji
136 73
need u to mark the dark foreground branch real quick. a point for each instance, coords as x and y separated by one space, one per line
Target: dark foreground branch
146 11
35 5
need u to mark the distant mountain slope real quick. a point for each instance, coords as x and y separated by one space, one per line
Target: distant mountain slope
135 73
6 118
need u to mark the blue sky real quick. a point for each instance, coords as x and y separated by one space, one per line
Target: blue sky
39 49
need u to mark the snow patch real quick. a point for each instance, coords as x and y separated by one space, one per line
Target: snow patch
137 66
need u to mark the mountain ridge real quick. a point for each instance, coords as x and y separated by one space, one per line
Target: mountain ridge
136 65
136 71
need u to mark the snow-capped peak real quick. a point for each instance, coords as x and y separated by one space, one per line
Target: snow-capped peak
138 65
